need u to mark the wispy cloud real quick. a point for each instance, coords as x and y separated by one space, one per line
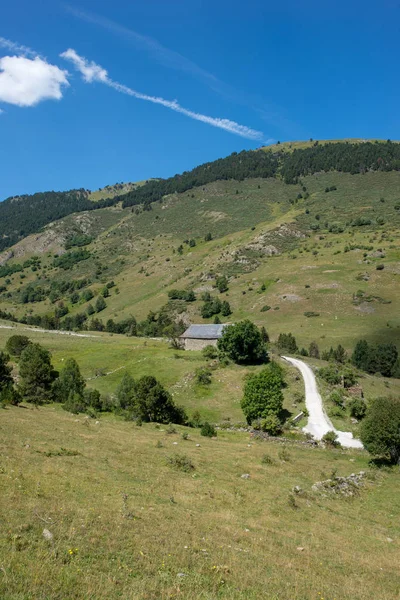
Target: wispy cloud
171 59
162 54
92 72
17 48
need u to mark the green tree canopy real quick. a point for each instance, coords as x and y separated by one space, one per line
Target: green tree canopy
263 393
287 342
70 381
380 429
36 374
16 344
5 372
152 403
313 350
243 343
126 391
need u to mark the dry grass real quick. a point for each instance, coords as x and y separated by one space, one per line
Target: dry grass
127 525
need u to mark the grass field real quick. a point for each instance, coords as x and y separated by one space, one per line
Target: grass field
126 524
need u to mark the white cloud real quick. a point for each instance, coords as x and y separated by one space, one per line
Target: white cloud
1 111
26 82
92 72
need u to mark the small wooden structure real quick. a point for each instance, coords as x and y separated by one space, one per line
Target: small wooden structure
197 337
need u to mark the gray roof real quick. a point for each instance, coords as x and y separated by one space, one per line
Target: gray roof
204 332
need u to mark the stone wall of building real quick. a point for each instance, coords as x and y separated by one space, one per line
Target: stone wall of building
198 344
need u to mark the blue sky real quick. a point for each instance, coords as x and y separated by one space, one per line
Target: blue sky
151 89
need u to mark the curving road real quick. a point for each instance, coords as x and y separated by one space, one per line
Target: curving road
318 422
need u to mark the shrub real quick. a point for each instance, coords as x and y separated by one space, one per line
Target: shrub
337 398
284 454
203 376
208 430
196 419
331 374
271 425
380 267
311 313
222 284
265 308
243 343
358 408
263 393
170 429
331 439
210 352
267 460
16 344
181 462
380 428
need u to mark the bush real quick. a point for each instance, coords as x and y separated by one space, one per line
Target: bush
271 425
267 460
181 462
16 344
265 308
196 419
263 393
284 454
331 439
203 376
243 343
208 430
337 398
358 408
380 428
331 374
210 352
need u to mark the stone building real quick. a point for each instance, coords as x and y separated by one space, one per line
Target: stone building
197 337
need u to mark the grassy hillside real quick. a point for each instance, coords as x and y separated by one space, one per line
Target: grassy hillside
125 523
277 250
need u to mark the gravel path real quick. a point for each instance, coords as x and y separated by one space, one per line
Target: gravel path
318 421
39 330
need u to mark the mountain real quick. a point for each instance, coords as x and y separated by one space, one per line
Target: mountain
305 236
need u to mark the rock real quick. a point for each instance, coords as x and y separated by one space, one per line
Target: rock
297 489
47 535
389 540
300 548
174 443
181 575
197 445
245 476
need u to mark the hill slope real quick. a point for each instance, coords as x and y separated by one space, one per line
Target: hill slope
319 258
